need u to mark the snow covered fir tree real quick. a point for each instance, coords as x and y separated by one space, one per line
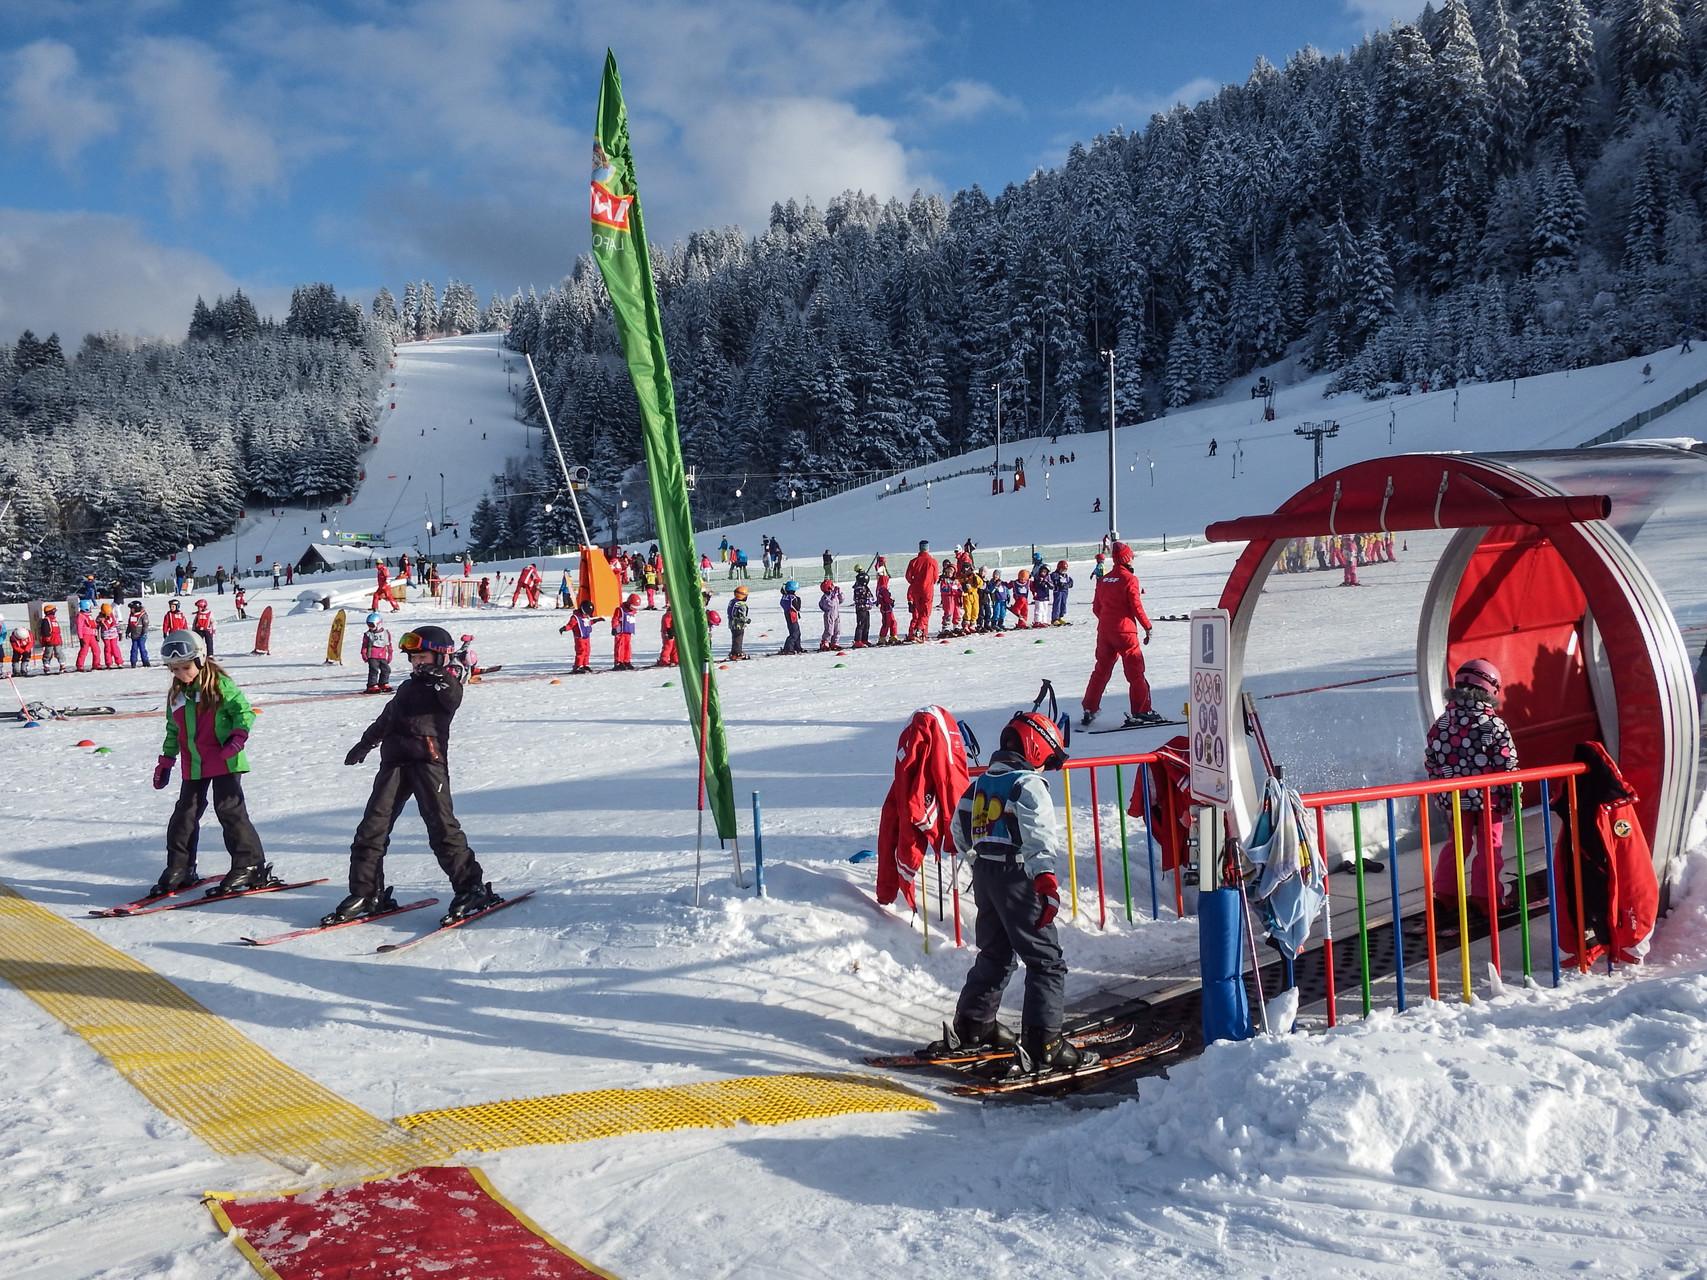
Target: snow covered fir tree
1494 190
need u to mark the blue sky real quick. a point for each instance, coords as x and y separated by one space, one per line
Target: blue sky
154 149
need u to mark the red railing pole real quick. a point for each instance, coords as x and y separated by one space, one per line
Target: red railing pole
1327 916
1428 899
1577 872
1096 835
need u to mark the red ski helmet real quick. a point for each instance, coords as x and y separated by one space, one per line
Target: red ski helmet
634 599
1061 565
1037 738
1478 673
825 585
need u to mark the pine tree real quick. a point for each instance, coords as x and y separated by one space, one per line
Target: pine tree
1508 91
1650 48
1560 220
1560 69
1375 288
1460 130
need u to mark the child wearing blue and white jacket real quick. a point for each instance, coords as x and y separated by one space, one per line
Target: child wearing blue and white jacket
1042 588
1063 582
830 604
998 602
791 615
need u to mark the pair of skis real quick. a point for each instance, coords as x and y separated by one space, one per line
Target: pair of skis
987 1072
180 898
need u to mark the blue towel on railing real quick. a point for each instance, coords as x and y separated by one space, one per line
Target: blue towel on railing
1291 877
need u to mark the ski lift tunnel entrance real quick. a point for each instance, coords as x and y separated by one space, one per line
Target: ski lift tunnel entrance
1577 572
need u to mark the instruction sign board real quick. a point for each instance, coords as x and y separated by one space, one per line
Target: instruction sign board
1211 777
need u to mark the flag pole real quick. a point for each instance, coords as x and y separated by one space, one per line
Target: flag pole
699 837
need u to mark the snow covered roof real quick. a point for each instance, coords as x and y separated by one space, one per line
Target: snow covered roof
339 555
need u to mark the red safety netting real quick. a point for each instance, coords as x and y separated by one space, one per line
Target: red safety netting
447 1223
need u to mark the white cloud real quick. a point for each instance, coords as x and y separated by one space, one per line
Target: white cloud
967 100
750 153
48 100
1376 14
77 273
189 119
1135 109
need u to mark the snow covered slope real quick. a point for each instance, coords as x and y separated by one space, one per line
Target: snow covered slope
1257 464
453 427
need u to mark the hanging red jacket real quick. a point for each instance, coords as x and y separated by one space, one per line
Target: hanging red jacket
918 813
1621 894
1170 800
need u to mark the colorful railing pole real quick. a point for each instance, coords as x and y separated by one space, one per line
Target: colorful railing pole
1428 898
1577 872
1150 840
1179 856
1072 858
1552 877
1362 906
1493 876
1096 835
1522 880
1125 869
1398 930
1463 893
1327 919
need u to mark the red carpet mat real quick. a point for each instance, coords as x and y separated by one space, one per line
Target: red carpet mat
444 1223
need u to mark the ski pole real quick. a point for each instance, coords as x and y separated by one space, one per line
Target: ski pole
954 884
758 848
1236 873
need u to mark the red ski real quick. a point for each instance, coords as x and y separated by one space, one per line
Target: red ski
328 928
391 948
127 908
222 897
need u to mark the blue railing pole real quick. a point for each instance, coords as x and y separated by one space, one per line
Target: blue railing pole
758 848
1149 839
1552 883
1398 931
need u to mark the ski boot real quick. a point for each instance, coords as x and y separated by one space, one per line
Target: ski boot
171 881
358 905
963 1033
243 879
1046 1053
1087 718
1138 719
470 901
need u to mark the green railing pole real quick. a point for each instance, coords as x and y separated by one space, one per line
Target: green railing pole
1125 871
1522 875
1362 904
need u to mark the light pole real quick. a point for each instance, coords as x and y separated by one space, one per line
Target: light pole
928 491
1046 486
1113 521
794 503
429 539
441 499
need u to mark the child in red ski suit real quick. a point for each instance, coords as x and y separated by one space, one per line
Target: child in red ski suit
50 639
667 634
1021 598
886 632
580 625
108 632
88 643
622 627
202 624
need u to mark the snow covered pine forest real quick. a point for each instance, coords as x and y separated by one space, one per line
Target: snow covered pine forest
1493 191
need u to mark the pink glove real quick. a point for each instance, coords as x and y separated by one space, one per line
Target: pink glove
1048 890
234 744
162 772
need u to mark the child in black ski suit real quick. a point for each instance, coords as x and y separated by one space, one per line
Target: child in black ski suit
413 737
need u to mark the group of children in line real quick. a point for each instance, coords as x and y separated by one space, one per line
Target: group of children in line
584 621
99 636
1345 552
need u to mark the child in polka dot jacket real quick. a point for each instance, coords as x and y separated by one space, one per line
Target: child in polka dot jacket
1470 739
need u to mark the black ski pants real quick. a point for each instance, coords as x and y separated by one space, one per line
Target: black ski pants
183 831
429 783
1006 935
862 626
737 642
378 672
792 644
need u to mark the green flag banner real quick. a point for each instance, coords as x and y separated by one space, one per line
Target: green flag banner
619 246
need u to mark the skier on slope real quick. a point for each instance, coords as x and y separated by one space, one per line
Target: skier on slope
465 663
50 638
830 605
202 623
173 619
1119 609
580 625
109 633
740 616
1061 582
622 628
88 643
376 652
921 588
667 656
885 598
790 601
207 733
1006 823
413 737
382 587
862 602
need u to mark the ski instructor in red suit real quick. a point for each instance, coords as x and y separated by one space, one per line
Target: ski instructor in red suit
921 590
1119 609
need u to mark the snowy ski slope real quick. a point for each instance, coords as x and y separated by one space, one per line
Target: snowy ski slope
1532 1133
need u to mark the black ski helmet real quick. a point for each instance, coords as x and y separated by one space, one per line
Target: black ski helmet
434 640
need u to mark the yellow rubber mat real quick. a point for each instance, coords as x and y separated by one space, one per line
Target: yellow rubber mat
192 1064
604 1113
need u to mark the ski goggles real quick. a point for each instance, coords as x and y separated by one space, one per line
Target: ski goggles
413 643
